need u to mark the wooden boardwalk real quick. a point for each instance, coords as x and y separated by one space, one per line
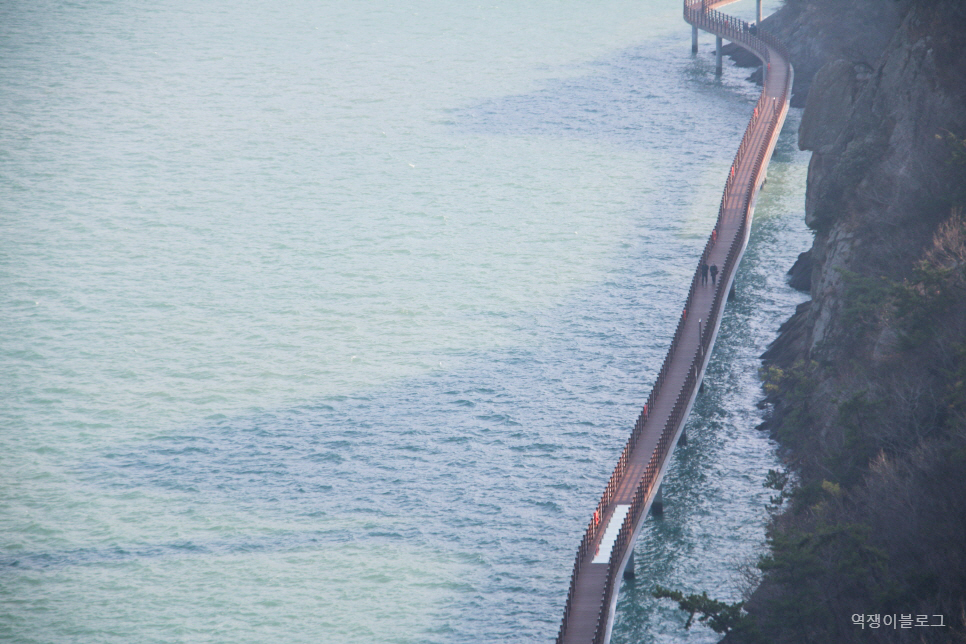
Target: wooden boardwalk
608 542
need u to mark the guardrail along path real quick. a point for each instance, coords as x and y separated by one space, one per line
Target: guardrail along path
608 541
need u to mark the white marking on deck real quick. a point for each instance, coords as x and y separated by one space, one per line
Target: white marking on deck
610 534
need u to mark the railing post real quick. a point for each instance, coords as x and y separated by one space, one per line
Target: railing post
694 38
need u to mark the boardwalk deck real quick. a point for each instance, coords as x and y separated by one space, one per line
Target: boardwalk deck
589 611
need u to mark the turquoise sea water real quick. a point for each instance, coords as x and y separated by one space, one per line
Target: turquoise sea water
326 322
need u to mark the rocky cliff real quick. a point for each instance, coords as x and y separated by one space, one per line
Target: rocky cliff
821 31
867 382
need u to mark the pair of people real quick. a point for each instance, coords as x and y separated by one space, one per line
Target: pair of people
705 269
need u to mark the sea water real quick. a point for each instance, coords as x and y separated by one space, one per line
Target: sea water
327 321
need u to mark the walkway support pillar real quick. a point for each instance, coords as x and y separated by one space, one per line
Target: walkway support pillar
684 433
629 570
657 505
694 39
717 55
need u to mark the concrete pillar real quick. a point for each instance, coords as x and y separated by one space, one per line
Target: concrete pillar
684 433
732 292
758 12
694 39
629 570
657 505
717 54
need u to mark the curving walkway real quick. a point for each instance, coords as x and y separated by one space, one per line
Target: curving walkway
607 544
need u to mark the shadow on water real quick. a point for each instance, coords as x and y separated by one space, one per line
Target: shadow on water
632 98
499 461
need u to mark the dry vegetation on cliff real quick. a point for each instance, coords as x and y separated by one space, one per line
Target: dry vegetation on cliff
868 380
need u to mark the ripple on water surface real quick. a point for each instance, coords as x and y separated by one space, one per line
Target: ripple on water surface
320 330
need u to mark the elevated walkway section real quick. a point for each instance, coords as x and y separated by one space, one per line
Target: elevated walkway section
607 543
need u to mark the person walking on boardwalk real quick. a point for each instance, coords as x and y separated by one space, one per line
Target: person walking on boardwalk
704 272
714 272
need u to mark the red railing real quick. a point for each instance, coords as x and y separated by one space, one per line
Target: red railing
698 13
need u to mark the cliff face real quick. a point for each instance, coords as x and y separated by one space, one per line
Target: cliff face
879 181
882 176
867 381
818 32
